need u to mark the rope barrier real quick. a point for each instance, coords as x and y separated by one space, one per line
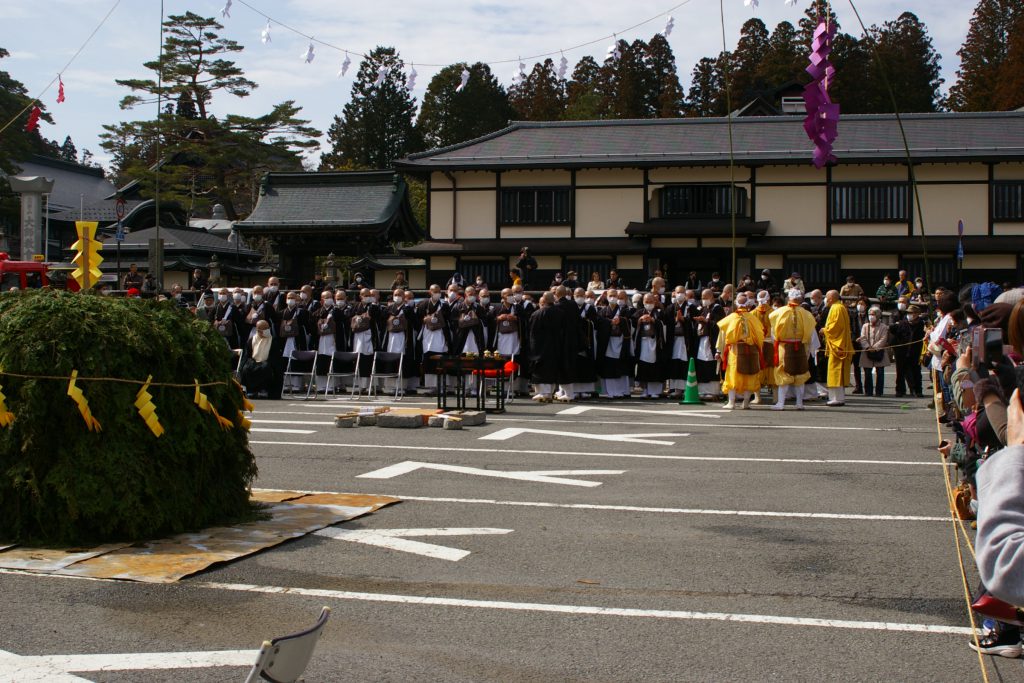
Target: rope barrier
954 518
118 380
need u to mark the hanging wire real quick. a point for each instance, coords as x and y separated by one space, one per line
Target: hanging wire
498 61
49 85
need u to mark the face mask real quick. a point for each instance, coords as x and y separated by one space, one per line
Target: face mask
649 307
919 284
452 296
264 333
470 299
257 298
873 318
435 296
272 290
328 303
661 290
236 297
902 307
371 299
485 300
339 302
558 279
479 281
706 303
622 303
580 301
689 302
861 309
912 317
679 298
398 299
359 279
291 303
715 280
517 298
613 302
303 296
590 302
222 298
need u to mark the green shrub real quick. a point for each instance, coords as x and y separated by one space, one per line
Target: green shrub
61 483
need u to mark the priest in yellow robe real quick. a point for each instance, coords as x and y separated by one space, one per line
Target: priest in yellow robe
762 312
740 338
792 328
838 348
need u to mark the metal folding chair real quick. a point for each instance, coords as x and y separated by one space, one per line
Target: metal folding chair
387 366
343 364
282 660
301 364
237 355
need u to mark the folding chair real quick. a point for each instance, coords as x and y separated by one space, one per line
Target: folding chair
302 364
237 355
343 364
282 660
387 366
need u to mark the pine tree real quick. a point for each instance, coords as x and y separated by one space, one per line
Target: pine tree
667 98
706 96
625 84
1010 91
983 54
68 151
541 96
16 144
855 69
911 67
448 117
747 58
583 102
376 124
784 59
206 158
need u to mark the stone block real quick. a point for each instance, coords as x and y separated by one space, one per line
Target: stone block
366 420
452 423
345 421
399 421
470 418
436 421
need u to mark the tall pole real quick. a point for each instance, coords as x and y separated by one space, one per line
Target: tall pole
159 276
46 230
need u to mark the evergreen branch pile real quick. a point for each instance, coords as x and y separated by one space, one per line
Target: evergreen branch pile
61 483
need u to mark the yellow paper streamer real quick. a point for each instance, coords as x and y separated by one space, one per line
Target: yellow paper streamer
243 421
204 404
247 405
83 404
147 411
6 416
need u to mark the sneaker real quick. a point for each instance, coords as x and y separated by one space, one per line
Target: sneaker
993 644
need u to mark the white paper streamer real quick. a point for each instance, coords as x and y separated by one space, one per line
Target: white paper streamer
344 66
410 79
671 24
751 3
226 12
308 56
382 73
465 80
563 67
265 34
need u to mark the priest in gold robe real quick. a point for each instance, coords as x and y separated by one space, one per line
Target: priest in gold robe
793 328
838 348
740 339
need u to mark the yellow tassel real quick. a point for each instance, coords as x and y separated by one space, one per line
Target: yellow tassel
6 416
204 404
243 421
247 405
83 404
144 404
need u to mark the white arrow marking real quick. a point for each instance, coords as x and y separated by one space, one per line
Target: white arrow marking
56 668
395 539
510 432
541 476
579 410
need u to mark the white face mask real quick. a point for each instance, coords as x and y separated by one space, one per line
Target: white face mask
292 303
371 299
589 302
328 303
435 296
661 290
222 298
649 307
873 318
479 281
622 303
257 298
236 297
303 296
679 298
706 303
887 282
902 307
580 300
912 317
485 300
452 296
860 309
470 299
689 302
264 333
398 299
339 302
272 290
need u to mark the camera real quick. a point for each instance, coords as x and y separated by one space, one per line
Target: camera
987 346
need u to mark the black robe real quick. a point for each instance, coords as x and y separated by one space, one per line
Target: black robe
679 316
461 334
650 372
229 311
410 362
301 317
611 368
424 310
571 340
547 347
708 370
586 360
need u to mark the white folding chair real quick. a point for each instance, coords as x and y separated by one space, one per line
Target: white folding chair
282 660
387 366
237 355
343 364
301 364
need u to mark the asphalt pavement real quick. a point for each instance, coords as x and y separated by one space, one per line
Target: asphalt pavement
596 541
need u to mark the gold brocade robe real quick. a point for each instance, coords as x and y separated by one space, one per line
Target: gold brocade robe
736 328
763 314
838 346
791 323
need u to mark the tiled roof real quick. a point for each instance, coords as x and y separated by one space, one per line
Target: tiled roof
361 202
179 239
762 139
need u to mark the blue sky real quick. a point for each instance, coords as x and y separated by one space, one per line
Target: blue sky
436 32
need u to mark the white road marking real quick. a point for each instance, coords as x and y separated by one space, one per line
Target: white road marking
292 422
579 410
542 476
395 539
681 615
686 511
641 456
57 668
576 410
512 432
267 430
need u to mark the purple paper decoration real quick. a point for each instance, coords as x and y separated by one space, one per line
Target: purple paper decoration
822 122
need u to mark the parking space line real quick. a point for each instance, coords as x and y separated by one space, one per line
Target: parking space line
641 456
680 615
